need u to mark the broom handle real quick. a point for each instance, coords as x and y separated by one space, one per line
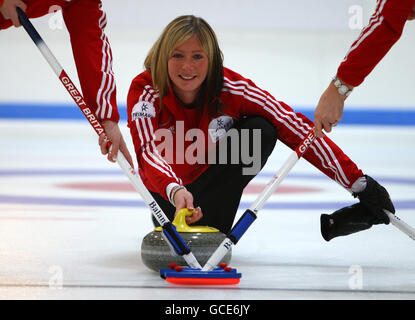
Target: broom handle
250 215
174 240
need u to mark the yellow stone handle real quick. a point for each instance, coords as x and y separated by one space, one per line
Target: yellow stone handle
180 223
180 219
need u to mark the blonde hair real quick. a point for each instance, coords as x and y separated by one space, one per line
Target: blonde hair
176 33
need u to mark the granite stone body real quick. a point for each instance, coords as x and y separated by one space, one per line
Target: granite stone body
156 254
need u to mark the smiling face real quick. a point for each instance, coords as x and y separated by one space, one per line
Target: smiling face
188 67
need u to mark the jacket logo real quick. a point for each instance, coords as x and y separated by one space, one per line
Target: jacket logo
143 109
219 126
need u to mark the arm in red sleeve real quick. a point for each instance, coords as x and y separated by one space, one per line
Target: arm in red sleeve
377 38
292 128
142 110
86 21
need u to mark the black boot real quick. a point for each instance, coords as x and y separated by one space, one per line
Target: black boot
346 221
375 198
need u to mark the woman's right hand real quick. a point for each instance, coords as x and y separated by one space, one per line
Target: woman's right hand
184 199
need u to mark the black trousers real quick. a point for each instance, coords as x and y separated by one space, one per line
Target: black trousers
219 189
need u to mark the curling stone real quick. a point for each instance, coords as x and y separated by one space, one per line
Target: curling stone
202 240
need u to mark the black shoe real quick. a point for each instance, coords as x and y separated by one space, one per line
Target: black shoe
346 221
375 198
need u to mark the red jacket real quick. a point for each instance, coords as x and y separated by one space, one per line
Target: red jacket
240 97
384 29
86 22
